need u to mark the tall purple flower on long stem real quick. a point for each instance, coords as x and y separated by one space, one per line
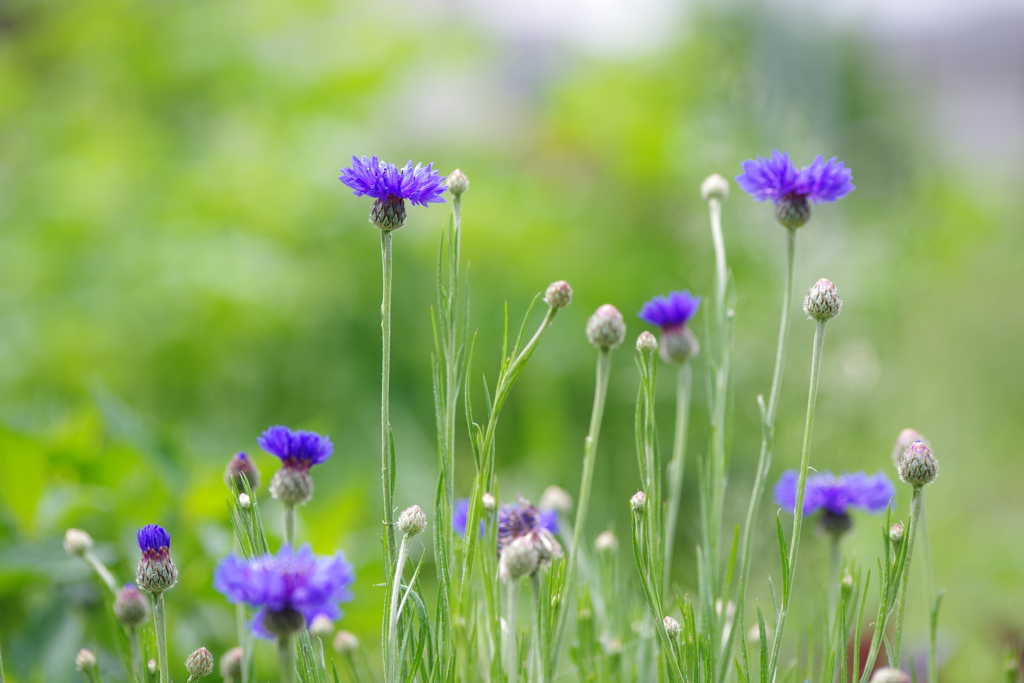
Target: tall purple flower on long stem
790 188
671 313
836 496
390 186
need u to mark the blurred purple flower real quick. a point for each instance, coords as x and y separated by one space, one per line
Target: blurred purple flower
522 519
777 178
836 494
296 581
374 178
297 449
670 312
545 519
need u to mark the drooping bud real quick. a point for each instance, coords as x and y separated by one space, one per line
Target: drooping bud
231 664
131 607
558 294
77 542
519 558
678 344
292 486
489 503
638 502
714 187
244 502
556 498
412 521
793 211
345 642
918 466
389 213
156 572
672 627
321 626
646 342
822 303
242 466
199 663
457 182
888 675
896 532
606 329
85 661
606 542
905 440
833 524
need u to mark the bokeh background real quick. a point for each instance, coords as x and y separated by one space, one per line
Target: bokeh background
181 269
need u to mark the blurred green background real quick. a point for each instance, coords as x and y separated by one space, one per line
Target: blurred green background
182 269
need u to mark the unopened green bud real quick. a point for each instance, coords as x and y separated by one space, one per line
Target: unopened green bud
714 187
321 626
519 558
488 501
918 466
905 440
231 664
131 607
292 486
606 542
389 213
638 502
345 642
896 533
558 294
412 522
672 627
244 502
85 661
606 329
199 663
556 498
457 182
242 466
822 302
77 542
846 583
646 343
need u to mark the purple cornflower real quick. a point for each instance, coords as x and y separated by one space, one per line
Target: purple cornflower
156 571
790 188
154 541
390 186
835 496
547 519
290 588
299 449
523 519
671 313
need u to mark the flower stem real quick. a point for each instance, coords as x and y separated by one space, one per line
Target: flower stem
289 525
916 518
243 637
508 636
101 571
136 655
834 562
677 464
801 486
604 360
160 621
926 550
536 663
286 656
396 588
387 455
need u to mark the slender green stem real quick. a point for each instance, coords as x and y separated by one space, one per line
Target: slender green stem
764 460
916 518
604 360
536 663
136 655
101 571
289 525
160 621
386 453
508 636
396 588
801 487
926 551
834 562
286 657
677 465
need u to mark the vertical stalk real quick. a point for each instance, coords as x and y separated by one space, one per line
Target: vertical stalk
243 638
798 508
396 588
536 663
508 636
926 550
286 656
289 525
604 359
160 621
386 453
834 561
916 519
677 464
101 571
136 655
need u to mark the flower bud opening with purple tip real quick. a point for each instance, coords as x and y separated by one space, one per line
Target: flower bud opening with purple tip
791 189
390 186
130 607
242 466
918 466
298 451
558 294
156 572
671 313
836 496
606 329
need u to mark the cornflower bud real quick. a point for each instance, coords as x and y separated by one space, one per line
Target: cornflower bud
556 498
130 607
822 303
156 572
199 663
231 664
558 294
489 503
646 342
85 661
77 542
520 558
606 542
896 532
457 182
638 502
242 466
321 626
345 642
672 627
606 329
714 187
412 522
905 440
918 466
888 675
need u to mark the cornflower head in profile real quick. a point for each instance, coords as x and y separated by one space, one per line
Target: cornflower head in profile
523 520
156 572
671 313
289 589
298 451
835 496
790 188
390 186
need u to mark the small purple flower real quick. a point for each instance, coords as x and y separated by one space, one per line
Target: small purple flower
777 178
837 495
298 450
156 571
522 519
153 541
374 178
670 312
287 588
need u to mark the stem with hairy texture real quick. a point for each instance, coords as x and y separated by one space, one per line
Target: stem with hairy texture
386 454
677 465
160 621
396 588
916 519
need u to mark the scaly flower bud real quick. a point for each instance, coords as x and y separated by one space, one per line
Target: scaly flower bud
77 542
793 211
156 572
388 213
646 342
638 502
131 607
321 626
345 642
457 182
242 466
896 533
199 663
520 558
679 344
822 303
714 187
606 329
231 664
292 486
412 522
85 661
904 441
606 542
672 627
918 466
558 294
556 498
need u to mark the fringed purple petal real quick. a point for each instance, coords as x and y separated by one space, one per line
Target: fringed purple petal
670 311
374 178
775 178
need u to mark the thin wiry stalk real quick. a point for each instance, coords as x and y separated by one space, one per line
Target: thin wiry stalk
387 455
677 465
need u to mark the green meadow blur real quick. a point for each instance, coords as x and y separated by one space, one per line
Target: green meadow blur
182 269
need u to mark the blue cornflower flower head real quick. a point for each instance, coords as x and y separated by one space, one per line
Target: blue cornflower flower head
790 188
671 313
390 186
835 496
156 571
298 450
289 589
524 520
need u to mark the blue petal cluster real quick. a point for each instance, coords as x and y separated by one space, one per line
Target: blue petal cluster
777 178
291 580
297 449
545 519
836 494
670 312
374 178
153 539
522 519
